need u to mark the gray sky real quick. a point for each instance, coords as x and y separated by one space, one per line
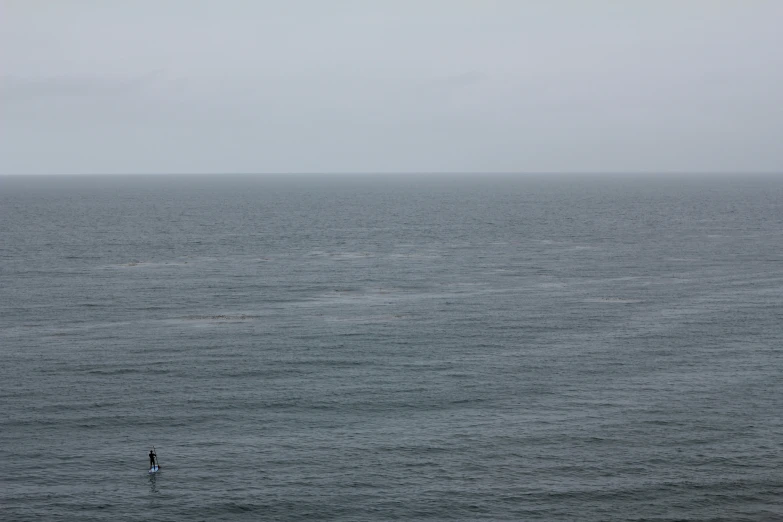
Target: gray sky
146 86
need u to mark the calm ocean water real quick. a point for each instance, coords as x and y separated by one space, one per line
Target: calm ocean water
378 348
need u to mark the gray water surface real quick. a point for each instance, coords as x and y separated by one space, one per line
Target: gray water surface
377 348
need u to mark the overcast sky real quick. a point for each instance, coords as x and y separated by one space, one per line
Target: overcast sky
148 86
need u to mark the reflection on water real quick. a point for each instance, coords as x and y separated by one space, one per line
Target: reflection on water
153 484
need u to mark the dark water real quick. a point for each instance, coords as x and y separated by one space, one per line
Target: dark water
380 348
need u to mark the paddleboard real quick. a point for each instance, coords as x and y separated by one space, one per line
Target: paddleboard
154 469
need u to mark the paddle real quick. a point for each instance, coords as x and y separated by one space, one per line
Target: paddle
157 461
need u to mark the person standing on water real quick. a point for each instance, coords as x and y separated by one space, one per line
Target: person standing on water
152 458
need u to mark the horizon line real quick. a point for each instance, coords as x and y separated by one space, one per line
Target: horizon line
414 173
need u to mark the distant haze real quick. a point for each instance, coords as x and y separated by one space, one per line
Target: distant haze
390 86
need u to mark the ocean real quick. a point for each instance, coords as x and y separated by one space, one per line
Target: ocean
375 347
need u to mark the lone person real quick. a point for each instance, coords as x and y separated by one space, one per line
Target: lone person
152 458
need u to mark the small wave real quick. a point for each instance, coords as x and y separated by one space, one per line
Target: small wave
369 319
350 255
117 371
62 334
222 509
414 256
136 263
220 317
612 300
